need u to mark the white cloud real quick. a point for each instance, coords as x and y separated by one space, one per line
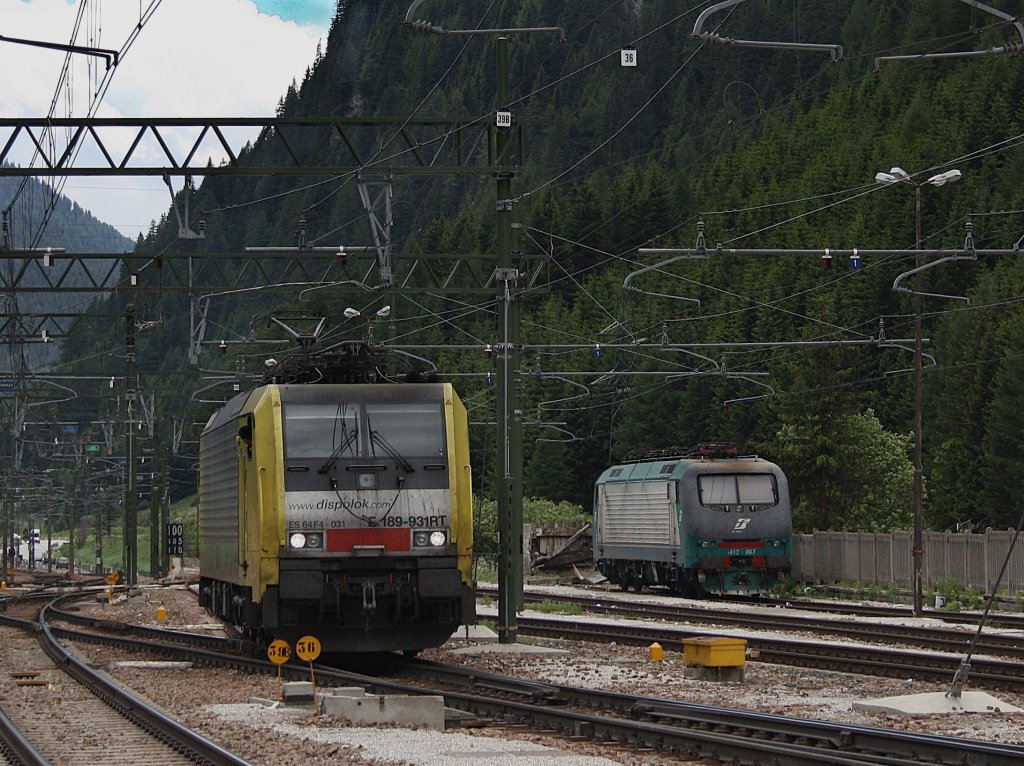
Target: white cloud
193 58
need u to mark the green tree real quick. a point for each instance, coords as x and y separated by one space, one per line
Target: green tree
858 477
1004 427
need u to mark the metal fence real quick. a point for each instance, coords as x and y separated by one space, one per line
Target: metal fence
876 558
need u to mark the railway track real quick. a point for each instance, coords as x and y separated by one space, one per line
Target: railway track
62 711
15 748
817 654
950 640
706 731
1009 620
691 731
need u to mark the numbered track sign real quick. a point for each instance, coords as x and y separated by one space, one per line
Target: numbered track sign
503 119
279 652
175 539
308 648
627 57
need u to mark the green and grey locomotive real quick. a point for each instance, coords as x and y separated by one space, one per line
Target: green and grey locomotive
703 521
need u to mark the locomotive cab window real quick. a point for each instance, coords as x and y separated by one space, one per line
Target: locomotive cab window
727 489
245 436
412 430
319 430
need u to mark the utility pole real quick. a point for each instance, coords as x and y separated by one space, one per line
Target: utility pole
72 514
154 501
131 514
165 514
6 534
31 542
509 412
99 536
898 175
509 468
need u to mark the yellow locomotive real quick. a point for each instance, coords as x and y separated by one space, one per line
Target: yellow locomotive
341 511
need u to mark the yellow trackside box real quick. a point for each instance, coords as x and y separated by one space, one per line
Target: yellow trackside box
714 652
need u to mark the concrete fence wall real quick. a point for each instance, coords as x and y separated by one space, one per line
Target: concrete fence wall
876 558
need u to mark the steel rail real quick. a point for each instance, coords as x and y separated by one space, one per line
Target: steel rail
867 741
942 639
666 725
998 619
865 660
132 707
16 746
707 742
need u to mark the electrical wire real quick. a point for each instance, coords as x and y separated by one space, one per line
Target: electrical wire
376 159
96 96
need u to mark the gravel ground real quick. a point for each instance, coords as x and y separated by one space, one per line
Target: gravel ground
217 702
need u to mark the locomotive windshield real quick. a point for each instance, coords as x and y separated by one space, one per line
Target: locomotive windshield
319 430
737 488
342 431
413 430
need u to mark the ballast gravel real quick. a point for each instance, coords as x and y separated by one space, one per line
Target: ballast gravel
392 745
220 703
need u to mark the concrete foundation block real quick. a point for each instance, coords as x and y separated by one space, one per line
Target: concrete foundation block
426 711
342 691
714 674
468 634
936 703
297 691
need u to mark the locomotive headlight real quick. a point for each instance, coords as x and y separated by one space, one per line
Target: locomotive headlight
297 540
423 538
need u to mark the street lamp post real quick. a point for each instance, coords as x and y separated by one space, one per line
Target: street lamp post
899 175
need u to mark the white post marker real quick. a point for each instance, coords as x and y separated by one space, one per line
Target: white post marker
503 119
627 57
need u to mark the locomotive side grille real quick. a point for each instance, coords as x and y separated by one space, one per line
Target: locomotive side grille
218 503
218 492
641 513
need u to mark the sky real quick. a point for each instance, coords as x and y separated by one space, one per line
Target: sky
192 58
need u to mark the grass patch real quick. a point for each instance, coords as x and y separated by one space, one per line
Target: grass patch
547 606
484 569
489 624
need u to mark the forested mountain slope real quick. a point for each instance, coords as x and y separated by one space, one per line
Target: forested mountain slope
69 228
767 149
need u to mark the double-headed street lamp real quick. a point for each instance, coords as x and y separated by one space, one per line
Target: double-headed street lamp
894 176
384 311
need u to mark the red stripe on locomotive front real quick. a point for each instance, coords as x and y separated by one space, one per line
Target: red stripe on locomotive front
741 544
348 540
